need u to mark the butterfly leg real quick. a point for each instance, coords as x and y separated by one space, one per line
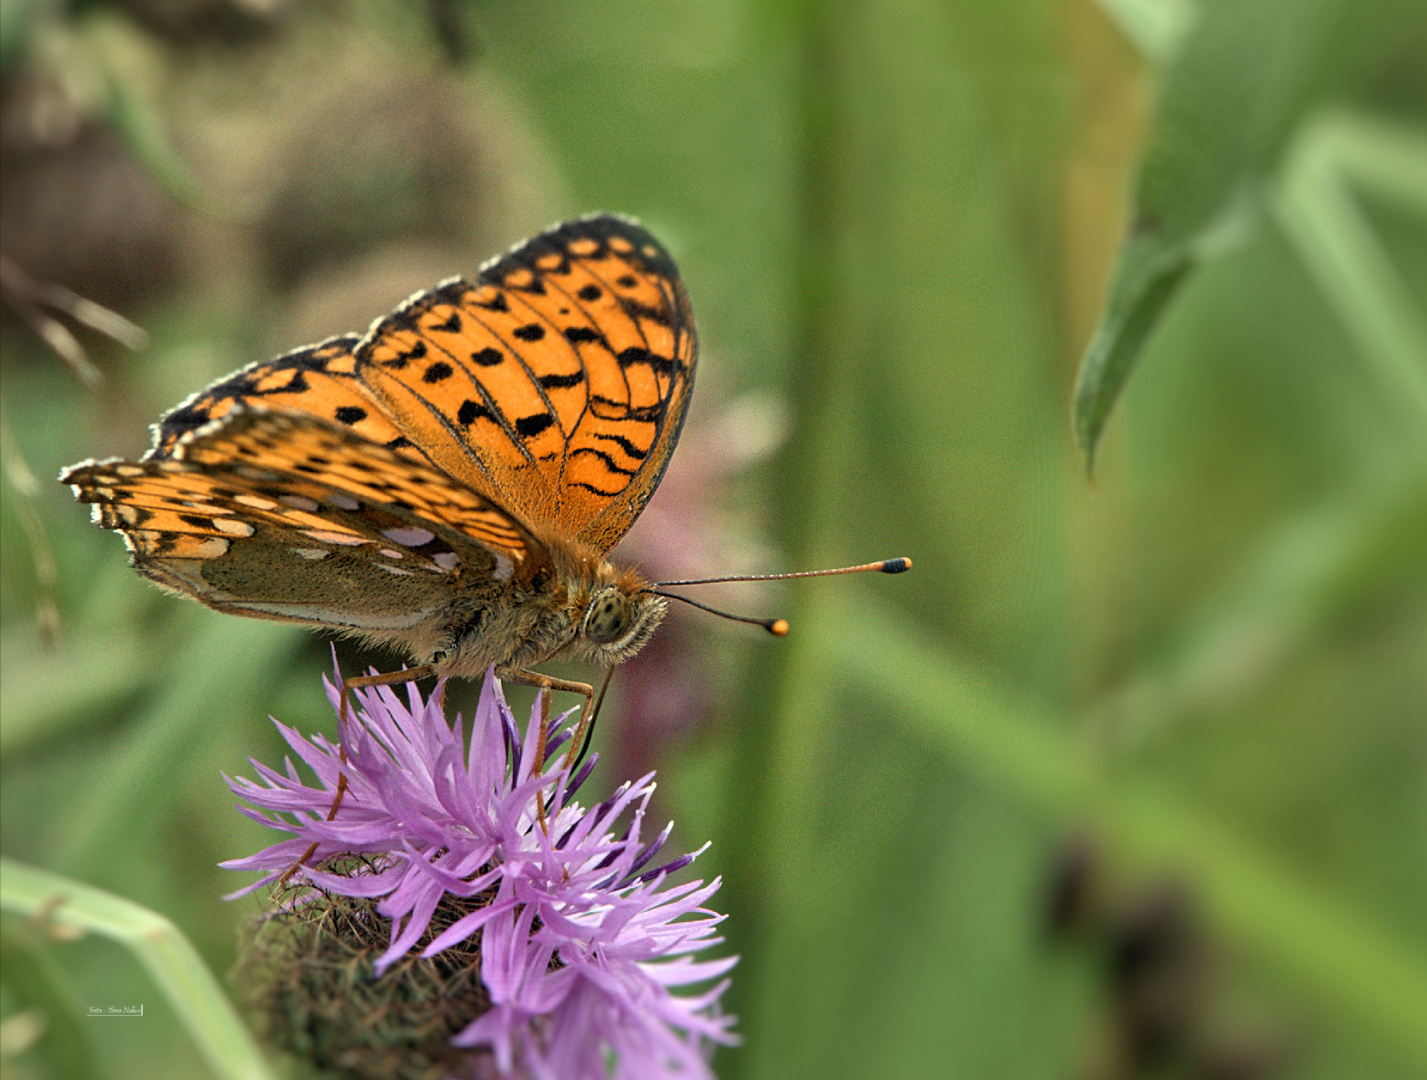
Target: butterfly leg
386 678
548 683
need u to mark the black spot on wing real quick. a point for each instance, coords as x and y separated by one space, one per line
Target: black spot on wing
620 410
187 417
397 361
530 426
657 315
437 372
635 354
471 411
562 382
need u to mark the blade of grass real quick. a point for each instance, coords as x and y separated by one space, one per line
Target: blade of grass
175 965
1316 210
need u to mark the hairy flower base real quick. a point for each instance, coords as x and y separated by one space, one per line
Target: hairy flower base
579 945
306 974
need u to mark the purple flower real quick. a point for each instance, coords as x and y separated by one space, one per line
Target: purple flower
581 945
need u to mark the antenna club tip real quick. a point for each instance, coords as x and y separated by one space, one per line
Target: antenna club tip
896 566
778 627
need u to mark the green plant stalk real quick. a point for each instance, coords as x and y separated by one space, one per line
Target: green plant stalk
181 976
778 745
1382 156
1312 204
1342 962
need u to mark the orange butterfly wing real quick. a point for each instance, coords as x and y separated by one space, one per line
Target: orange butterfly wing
317 379
555 383
284 515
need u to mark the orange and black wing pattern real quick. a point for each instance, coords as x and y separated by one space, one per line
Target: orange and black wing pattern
556 383
317 380
288 516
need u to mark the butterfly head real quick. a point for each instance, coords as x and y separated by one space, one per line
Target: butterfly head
619 619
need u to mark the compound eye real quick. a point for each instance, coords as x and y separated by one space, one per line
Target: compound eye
608 618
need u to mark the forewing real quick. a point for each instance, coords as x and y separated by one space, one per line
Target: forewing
285 516
317 379
555 383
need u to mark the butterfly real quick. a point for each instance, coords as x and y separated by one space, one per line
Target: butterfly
449 483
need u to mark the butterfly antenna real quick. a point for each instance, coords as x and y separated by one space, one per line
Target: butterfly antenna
776 627
883 566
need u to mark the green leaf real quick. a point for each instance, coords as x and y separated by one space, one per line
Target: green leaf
1245 78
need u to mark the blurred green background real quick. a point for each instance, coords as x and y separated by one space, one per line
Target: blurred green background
1181 707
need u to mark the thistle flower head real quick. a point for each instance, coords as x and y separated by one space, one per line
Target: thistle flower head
582 940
